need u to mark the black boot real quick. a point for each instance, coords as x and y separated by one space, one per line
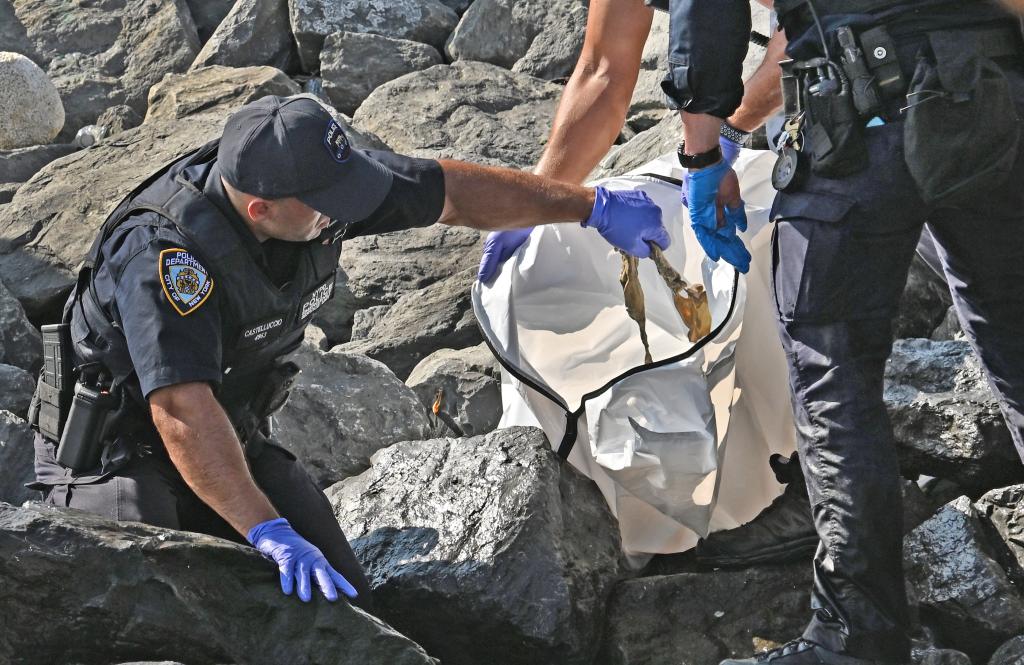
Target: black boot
801 652
784 531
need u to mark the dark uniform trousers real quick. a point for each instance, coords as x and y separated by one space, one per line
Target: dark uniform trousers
149 489
841 253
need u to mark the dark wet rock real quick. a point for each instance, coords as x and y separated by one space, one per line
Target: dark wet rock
945 418
1004 508
439 316
16 455
469 110
215 88
16 388
426 21
118 118
48 228
254 33
487 549
700 618
958 585
20 342
470 383
1011 653
355 64
21 164
136 592
542 38
924 302
344 408
8 190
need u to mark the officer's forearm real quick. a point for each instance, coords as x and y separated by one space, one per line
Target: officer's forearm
593 107
203 446
490 198
762 92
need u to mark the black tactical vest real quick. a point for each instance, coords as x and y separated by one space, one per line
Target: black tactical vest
260 322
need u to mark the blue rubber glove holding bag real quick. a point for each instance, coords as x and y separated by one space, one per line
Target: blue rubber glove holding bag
720 240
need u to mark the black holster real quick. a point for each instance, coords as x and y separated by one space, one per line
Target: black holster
251 418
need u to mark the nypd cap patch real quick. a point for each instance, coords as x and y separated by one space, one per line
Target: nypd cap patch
186 283
336 142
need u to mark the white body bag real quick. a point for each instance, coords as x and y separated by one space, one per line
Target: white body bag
678 447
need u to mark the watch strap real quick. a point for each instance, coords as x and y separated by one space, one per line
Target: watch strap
735 135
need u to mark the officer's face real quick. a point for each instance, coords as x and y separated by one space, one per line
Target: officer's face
287 219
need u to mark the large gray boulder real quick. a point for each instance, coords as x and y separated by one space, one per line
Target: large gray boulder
254 33
47 229
958 584
354 64
224 89
16 460
1004 508
31 112
109 52
439 316
1011 653
427 21
487 549
542 38
469 110
379 269
16 388
470 383
82 589
344 408
945 418
700 618
21 344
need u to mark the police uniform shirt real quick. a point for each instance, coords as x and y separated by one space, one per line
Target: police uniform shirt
170 345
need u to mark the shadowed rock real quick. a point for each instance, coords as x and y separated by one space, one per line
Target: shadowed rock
16 459
470 383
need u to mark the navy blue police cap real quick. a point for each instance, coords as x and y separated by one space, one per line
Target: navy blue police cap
281 147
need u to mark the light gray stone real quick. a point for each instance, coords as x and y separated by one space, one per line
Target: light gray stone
254 33
342 409
645 147
1011 653
119 118
31 112
224 89
21 344
427 21
16 459
541 38
487 549
365 319
1004 508
21 164
471 385
140 592
355 64
469 110
16 388
945 418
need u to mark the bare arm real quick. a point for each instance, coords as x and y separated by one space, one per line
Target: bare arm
596 99
203 446
491 199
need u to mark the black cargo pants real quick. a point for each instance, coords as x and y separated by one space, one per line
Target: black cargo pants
841 253
149 489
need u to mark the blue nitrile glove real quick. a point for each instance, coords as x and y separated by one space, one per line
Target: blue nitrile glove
298 560
628 220
717 242
730 153
497 248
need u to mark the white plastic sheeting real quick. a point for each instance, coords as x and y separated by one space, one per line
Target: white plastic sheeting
679 447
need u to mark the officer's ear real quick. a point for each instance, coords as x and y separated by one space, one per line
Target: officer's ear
258 209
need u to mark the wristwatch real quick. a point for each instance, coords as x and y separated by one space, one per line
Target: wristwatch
700 160
737 136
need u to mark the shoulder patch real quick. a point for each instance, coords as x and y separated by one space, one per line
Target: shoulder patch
187 284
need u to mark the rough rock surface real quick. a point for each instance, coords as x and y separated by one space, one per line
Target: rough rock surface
379 269
119 118
31 112
137 592
427 21
16 388
419 323
344 408
940 657
1004 508
945 418
1011 653
644 147
8 190
487 549
47 229
699 618
16 455
354 64
471 383
364 320
254 33
541 38
208 14
21 164
20 342
469 110
958 584
222 88
924 302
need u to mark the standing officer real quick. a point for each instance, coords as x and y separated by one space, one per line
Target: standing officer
204 277
902 112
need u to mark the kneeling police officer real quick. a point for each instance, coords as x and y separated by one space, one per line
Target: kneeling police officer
154 402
